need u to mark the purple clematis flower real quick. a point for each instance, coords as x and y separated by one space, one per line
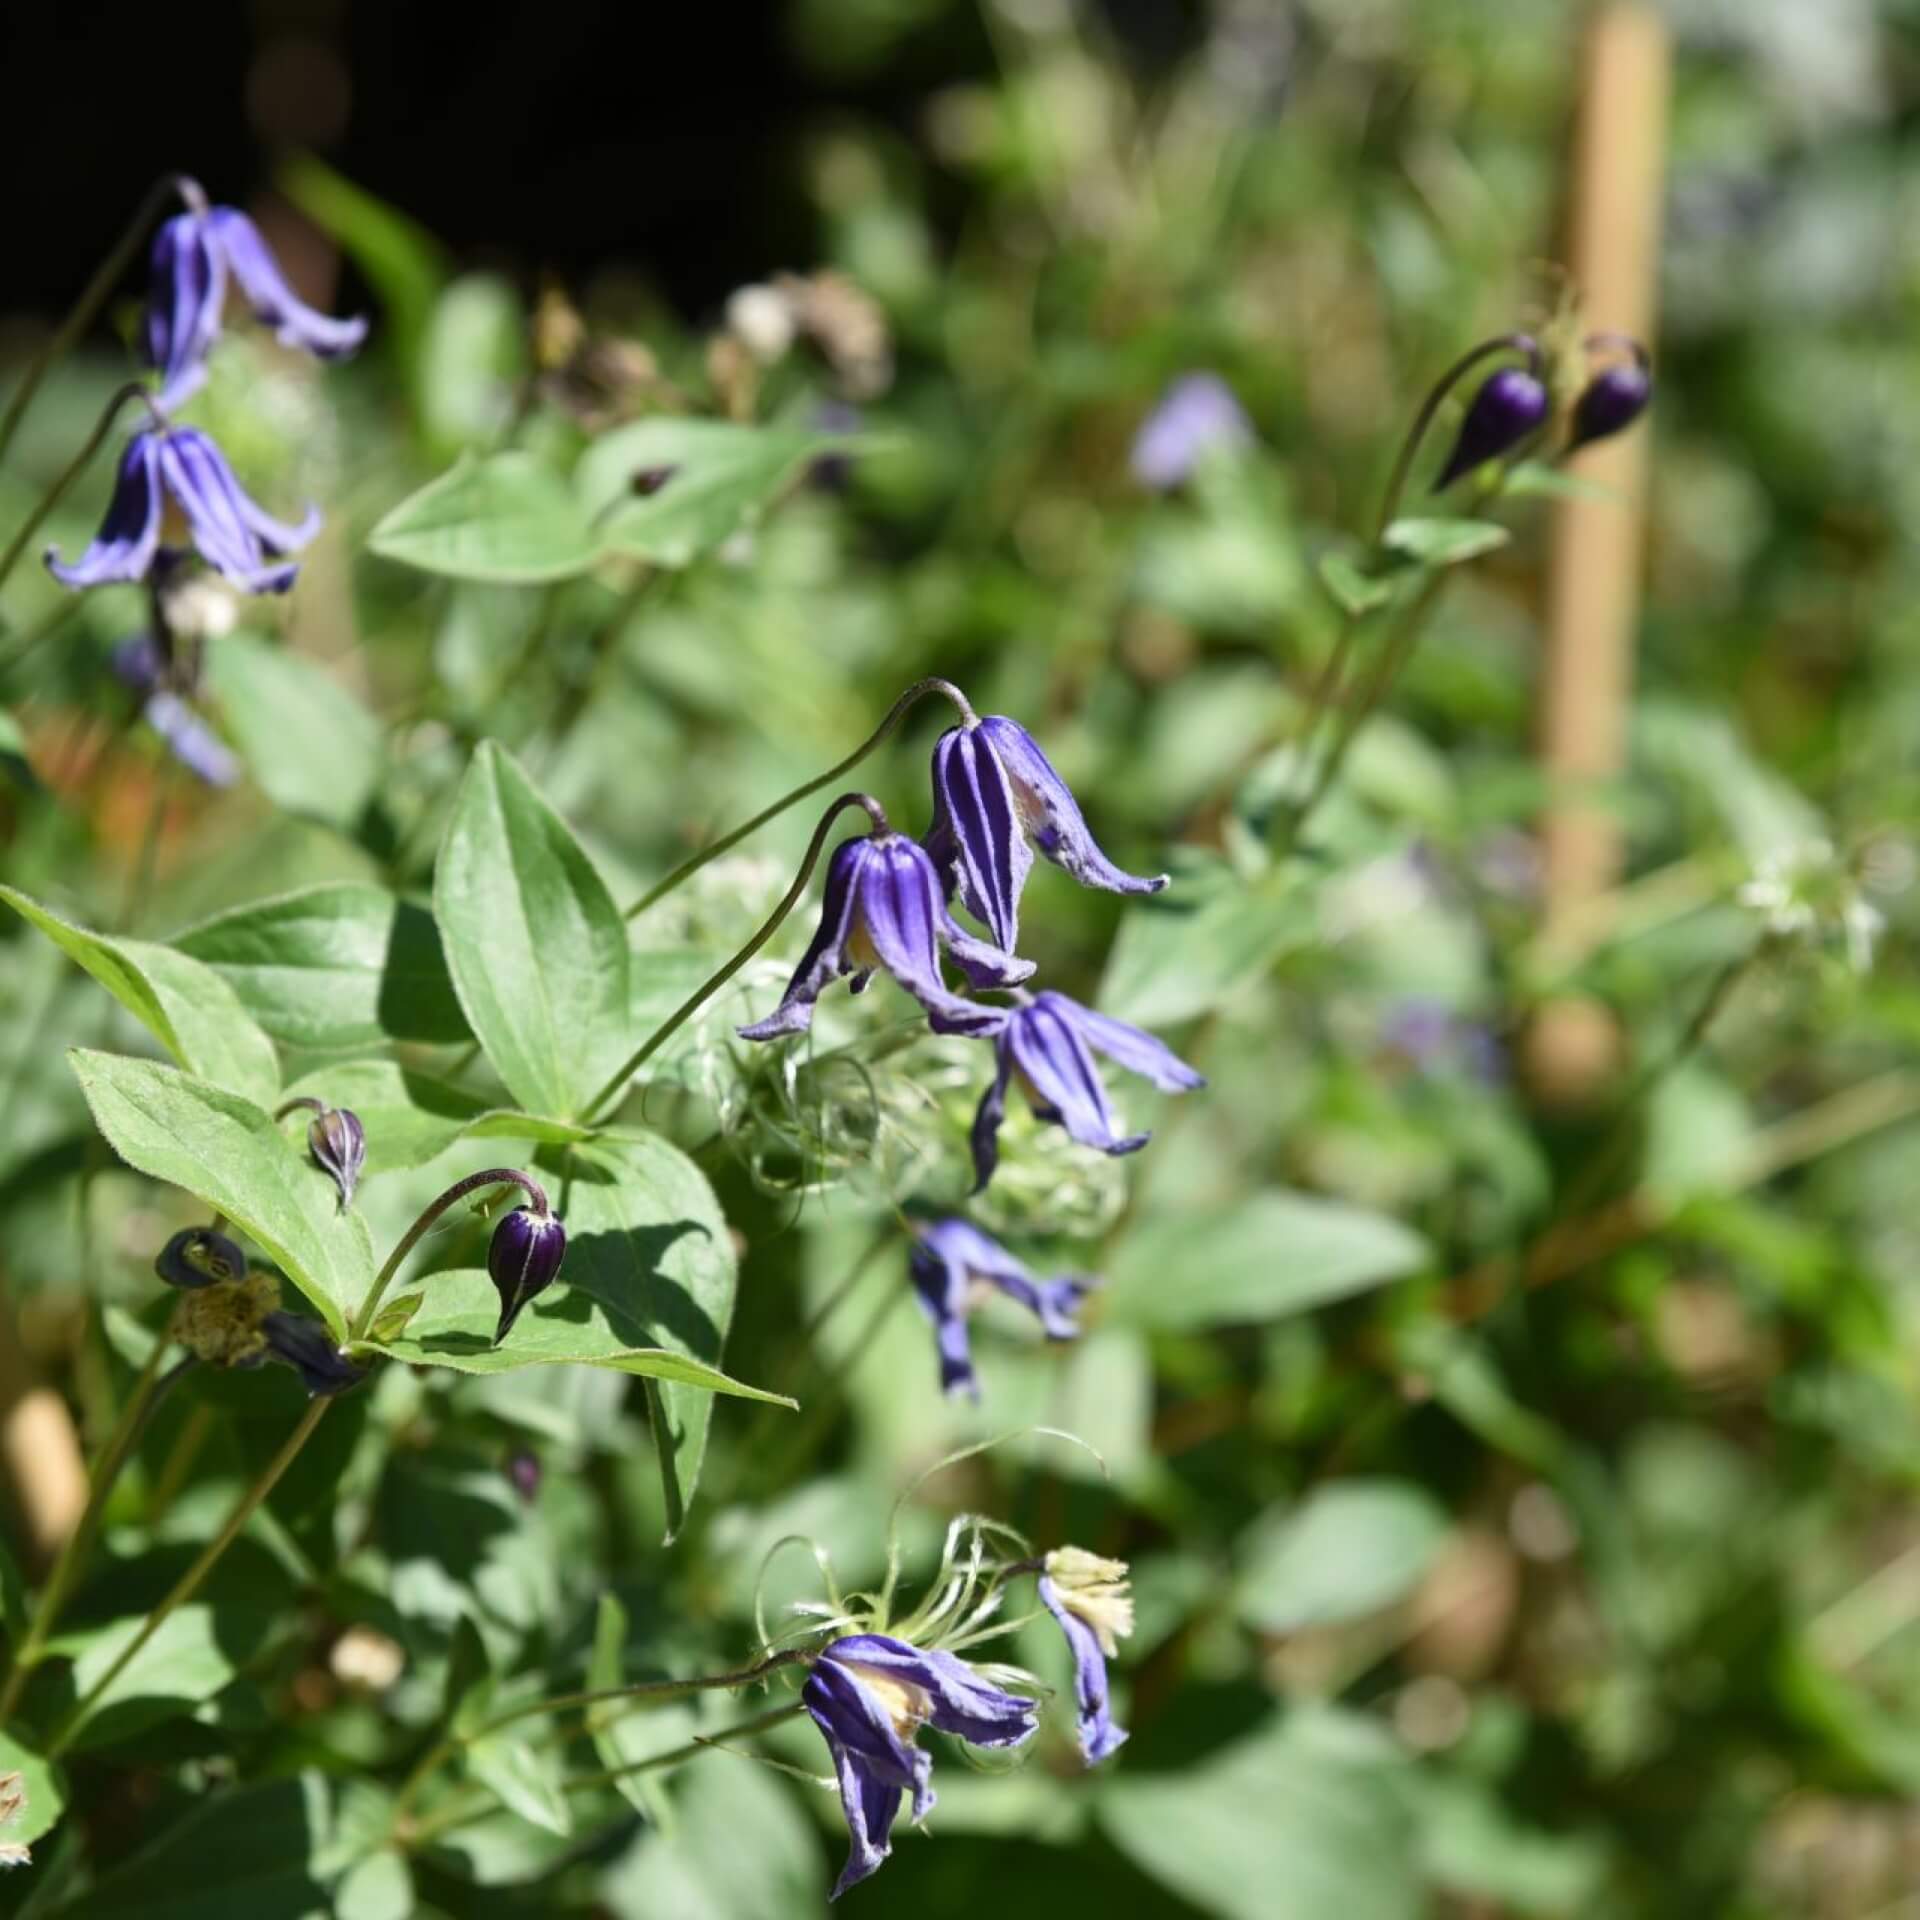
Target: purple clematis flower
1090 1599
175 484
137 665
994 790
199 258
1049 1041
869 1694
307 1347
884 908
1196 416
954 1266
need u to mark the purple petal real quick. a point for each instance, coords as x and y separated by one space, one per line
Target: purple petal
1197 415
900 914
959 1701
225 524
1052 815
872 1763
1099 1736
978 822
1062 1082
985 1134
186 292
274 303
129 536
940 1286
194 744
1054 1303
826 953
1138 1052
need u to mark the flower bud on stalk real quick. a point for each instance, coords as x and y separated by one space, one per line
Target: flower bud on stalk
522 1260
199 1257
1615 397
1510 405
338 1143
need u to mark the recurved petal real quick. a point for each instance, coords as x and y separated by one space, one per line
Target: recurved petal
826 952
1138 1052
984 1136
980 823
186 291
1061 1079
900 916
129 536
275 304
196 474
940 1286
1098 1734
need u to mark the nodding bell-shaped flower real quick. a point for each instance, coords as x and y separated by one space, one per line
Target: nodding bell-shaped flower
1048 1042
199 1257
136 664
994 791
884 908
200 259
954 1266
1093 1603
307 1347
1616 396
175 488
523 1257
1197 417
870 1694
1510 404
338 1143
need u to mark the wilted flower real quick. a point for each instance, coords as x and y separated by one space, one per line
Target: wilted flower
307 1347
1091 1600
13 1803
1049 1041
1616 396
199 1257
175 486
338 1143
955 1267
870 1694
523 1257
199 257
1510 404
137 665
1197 416
884 908
225 1323
994 790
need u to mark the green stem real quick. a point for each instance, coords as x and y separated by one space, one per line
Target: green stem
1429 407
643 1690
604 1103
895 714
190 1582
71 472
92 299
143 1401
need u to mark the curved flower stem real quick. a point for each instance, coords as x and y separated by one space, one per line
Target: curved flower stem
298 1101
895 714
133 390
150 1387
601 1106
492 1177
94 296
189 1582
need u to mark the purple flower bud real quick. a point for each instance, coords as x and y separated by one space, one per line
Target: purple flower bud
199 1257
1511 404
1614 398
338 1143
523 1258
1197 417
523 1473
307 1347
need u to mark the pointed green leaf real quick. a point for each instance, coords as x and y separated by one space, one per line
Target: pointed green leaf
1443 543
45 1788
1355 592
335 967
506 518
190 1010
1350 1548
311 746
537 947
231 1154
527 1783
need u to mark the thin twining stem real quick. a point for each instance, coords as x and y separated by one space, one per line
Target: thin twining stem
601 1106
895 714
133 390
298 1101
492 1177
94 296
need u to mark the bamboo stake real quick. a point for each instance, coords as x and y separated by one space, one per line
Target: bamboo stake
40 1457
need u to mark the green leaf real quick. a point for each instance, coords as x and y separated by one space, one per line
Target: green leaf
537 947
1273 1253
257 1851
1349 1549
1304 1819
194 1652
412 1118
1537 477
467 1698
311 746
721 475
506 518
1353 591
334 967
45 1788
380 1887
473 360
190 1010
621 1737
231 1154
1444 543
527 1783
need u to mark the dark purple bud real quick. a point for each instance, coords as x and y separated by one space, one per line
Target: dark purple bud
307 1347
524 1256
1614 398
199 1257
523 1473
338 1143
1510 405
649 480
